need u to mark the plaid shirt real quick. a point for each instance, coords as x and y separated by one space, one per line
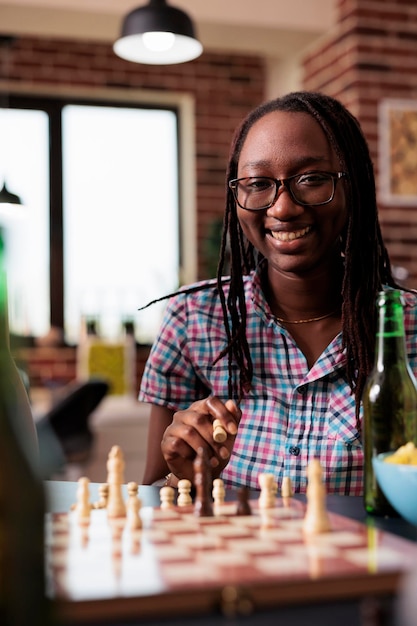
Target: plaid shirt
292 413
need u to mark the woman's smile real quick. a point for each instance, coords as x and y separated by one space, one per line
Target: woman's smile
290 235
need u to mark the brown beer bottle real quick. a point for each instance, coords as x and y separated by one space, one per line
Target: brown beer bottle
389 398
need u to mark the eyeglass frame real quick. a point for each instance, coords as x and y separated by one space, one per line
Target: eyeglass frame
285 182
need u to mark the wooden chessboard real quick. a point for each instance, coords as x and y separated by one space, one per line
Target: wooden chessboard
182 564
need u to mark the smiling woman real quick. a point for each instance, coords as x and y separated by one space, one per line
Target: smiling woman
279 350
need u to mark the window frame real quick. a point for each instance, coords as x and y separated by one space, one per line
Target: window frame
52 102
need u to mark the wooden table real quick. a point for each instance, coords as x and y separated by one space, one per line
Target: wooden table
326 593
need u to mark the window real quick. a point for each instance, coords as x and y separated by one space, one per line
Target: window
108 236
24 167
120 210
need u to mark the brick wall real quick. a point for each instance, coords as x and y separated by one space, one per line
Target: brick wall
56 367
225 87
371 55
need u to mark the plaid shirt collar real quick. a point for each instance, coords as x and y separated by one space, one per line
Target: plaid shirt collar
334 357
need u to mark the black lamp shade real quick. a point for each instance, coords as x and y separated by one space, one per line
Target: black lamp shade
158 18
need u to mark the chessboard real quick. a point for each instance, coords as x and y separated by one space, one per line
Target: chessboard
176 562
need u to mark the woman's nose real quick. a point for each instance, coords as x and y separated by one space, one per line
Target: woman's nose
284 207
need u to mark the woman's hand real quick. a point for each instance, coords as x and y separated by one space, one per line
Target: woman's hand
193 428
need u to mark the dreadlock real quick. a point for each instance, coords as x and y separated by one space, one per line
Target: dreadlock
362 243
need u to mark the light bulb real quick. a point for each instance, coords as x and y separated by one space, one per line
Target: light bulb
158 41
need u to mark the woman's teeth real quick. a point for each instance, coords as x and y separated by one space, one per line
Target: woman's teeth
290 236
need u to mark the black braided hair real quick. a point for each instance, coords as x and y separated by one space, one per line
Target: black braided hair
362 243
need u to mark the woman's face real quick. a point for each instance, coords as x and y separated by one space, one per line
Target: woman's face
293 238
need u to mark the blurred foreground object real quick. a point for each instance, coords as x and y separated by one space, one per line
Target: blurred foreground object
22 499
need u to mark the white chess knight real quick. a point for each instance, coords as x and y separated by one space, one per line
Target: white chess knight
316 519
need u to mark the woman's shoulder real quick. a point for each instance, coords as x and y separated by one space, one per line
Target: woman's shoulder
409 297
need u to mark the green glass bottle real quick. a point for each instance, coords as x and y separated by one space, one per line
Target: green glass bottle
22 502
389 398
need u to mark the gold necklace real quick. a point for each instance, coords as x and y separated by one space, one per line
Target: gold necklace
311 319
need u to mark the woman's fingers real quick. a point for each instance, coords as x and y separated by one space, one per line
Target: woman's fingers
193 428
226 415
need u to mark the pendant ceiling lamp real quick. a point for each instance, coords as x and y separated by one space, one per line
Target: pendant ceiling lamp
158 34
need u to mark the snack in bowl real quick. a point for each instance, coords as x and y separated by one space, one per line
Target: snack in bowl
396 473
405 455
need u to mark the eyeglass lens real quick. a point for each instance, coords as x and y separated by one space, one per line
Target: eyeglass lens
257 192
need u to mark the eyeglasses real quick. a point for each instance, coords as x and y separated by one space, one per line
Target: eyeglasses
256 193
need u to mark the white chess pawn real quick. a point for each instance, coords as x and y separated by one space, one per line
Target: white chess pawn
103 492
184 492
166 495
218 492
219 433
134 505
83 505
